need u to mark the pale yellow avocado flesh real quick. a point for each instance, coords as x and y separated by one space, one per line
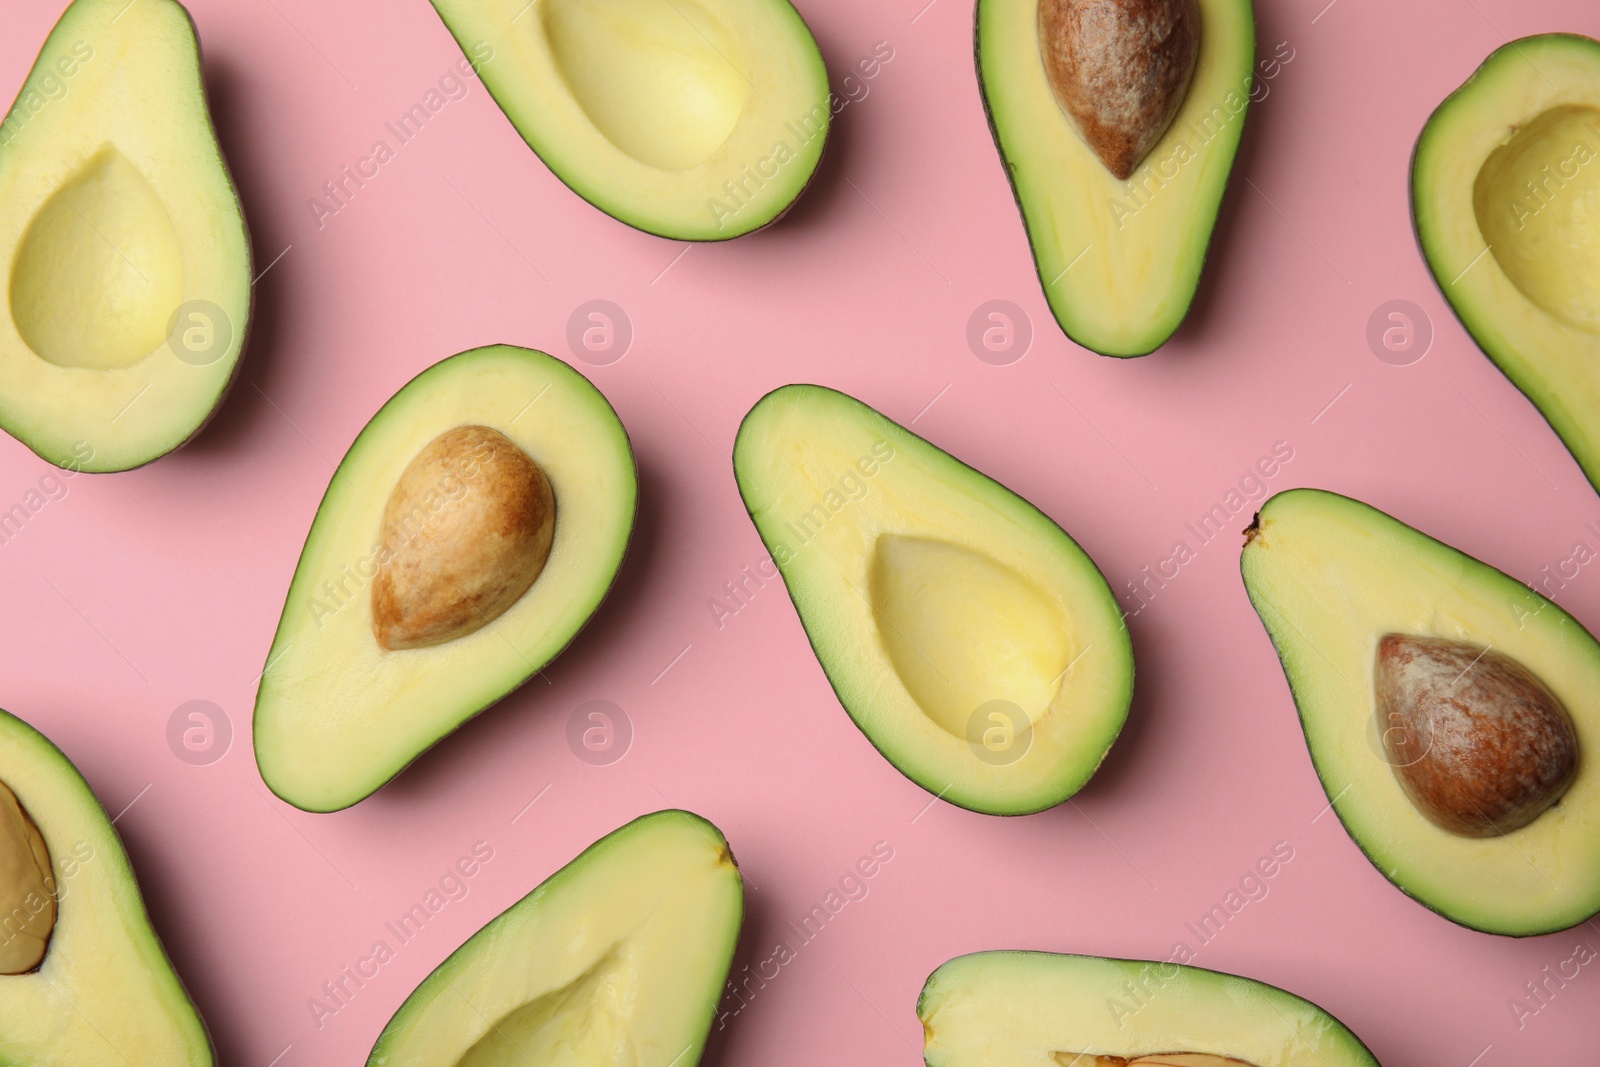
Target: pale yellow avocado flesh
1505 191
1039 1009
692 119
619 958
1119 260
1329 577
116 210
949 614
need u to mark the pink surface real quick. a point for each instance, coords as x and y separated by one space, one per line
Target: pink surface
135 593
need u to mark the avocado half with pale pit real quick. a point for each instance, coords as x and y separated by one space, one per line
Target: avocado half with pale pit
1117 122
1041 1009
1505 197
127 269
83 976
620 957
472 529
697 120
970 638
1449 709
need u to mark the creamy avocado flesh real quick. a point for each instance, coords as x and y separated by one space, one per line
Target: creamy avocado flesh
83 977
1119 253
620 957
969 637
1447 708
472 529
128 269
697 120
1022 1009
1505 187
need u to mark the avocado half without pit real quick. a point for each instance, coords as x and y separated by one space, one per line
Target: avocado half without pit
994 1008
970 638
1505 196
697 120
1450 711
127 281
620 957
472 529
1117 122
72 921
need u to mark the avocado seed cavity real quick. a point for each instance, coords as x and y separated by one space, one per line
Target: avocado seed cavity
27 889
465 533
1476 740
1120 70
1156 1059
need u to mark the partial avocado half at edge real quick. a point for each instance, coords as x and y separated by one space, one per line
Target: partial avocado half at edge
694 120
969 637
1389 640
470 532
1505 199
104 992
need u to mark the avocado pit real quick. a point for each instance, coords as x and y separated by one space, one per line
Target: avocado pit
465 533
27 889
1478 743
1120 69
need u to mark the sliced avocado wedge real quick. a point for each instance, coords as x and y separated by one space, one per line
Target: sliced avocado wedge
696 120
1471 787
619 957
969 637
472 529
1505 184
104 991
1021 1009
127 277
1119 258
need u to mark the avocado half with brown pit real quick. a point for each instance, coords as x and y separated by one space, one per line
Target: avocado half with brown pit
1450 711
125 268
472 529
72 920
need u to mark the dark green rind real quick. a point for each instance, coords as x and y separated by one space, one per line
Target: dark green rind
941 792
533 670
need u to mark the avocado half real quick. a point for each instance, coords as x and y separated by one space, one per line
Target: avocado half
338 714
696 120
1119 260
1019 1009
105 991
127 269
1505 198
619 957
971 639
1330 577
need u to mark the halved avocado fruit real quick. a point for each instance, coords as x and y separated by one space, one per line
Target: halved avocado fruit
127 267
969 637
1119 259
1505 197
697 120
619 957
1031 1009
1352 599
472 529
104 991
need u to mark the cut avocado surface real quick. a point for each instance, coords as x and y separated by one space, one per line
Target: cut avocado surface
127 266
104 992
1356 603
697 120
1040 1009
472 529
969 637
1119 259
1505 196
620 957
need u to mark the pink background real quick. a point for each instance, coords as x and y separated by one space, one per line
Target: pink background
168 581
